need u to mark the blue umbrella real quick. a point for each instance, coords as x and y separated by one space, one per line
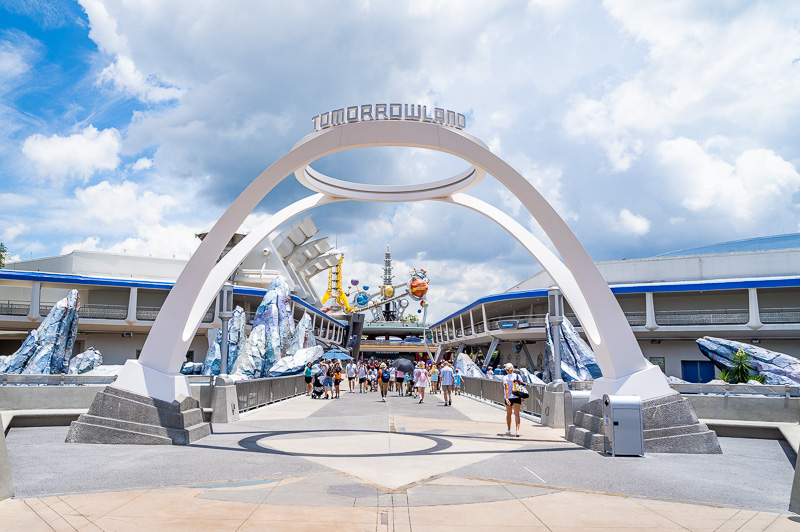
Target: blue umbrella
335 354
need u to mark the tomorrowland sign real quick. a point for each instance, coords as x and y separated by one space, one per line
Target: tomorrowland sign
392 111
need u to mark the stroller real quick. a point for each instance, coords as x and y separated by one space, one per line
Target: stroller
318 386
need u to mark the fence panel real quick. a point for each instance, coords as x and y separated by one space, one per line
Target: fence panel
259 392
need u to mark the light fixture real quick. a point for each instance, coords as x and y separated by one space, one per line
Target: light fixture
654 341
755 341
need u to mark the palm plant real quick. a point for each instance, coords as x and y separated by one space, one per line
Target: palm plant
741 370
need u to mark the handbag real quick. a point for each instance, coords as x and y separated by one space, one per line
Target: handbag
519 389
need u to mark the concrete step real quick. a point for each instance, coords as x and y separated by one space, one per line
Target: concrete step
697 443
586 438
114 406
649 434
178 436
80 432
186 403
588 421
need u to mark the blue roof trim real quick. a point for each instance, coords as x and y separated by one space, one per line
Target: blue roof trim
44 277
686 286
82 279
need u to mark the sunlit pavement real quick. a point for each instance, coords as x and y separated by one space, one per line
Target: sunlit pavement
357 463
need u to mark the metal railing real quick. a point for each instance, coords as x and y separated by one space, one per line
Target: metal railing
107 312
259 392
492 390
151 313
55 380
703 317
636 318
718 389
780 315
14 308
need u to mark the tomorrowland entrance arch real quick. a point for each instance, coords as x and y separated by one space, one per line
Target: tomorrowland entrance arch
625 371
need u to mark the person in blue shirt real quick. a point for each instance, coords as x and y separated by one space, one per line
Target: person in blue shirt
457 381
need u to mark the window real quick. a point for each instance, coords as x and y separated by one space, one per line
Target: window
697 370
659 361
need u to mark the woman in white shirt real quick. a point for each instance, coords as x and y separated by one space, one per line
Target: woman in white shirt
421 380
513 403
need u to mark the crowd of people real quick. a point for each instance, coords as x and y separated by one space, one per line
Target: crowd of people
426 377
377 376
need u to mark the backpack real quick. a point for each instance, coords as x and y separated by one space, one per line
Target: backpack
385 375
519 389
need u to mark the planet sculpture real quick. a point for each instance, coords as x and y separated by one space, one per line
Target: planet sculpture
423 304
418 287
362 299
354 282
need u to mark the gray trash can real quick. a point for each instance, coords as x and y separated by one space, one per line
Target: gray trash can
622 420
573 401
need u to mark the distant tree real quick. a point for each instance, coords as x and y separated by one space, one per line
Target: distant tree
3 255
410 318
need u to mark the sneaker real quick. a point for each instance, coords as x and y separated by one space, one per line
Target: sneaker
508 433
383 399
517 434
420 401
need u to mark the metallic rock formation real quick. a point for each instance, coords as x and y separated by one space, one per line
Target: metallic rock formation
236 339
294 364
777 368
578 362
86 361
47 349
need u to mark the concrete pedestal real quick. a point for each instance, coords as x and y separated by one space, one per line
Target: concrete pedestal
224 401
794 502
553 405
6 485
670 426
120 416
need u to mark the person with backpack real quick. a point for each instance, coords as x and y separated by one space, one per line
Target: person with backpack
337 379
447 378
513 402
383 381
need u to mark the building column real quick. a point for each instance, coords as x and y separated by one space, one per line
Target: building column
36 296
485 320
133 302
472 323
461 319
650 312
755 314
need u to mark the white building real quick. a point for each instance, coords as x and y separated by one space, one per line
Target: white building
746 290
121 294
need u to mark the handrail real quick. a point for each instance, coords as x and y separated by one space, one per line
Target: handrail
55 380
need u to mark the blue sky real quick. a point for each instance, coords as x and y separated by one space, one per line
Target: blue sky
650 126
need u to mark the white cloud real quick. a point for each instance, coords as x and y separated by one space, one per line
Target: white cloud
80 154
733 65
125 77
634 224
142 164
11 233
754 185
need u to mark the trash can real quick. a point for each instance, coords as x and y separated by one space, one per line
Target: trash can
573 401
622 422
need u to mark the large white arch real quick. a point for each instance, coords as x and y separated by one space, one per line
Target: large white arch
625 370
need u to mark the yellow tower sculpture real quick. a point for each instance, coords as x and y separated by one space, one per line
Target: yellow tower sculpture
335 289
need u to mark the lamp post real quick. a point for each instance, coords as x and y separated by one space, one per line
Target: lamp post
555 303
225 314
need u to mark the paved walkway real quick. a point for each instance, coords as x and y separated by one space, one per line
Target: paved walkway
359 464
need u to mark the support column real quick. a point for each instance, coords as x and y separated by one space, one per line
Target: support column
755 313
461 319
472 322
650 312
485 320
133 302
36 297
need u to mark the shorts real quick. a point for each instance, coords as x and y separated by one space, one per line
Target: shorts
337 381
328 382
308 380
447 388
351 377
515 400
362 380
384 386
